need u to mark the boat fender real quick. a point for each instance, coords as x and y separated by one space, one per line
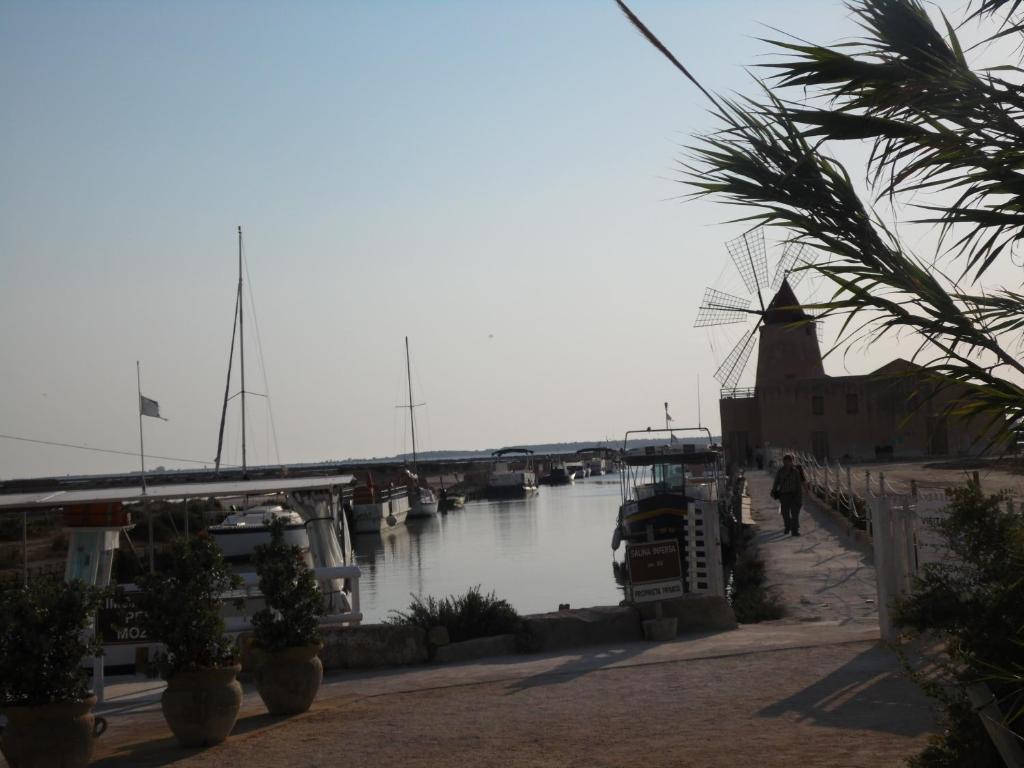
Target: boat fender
616 538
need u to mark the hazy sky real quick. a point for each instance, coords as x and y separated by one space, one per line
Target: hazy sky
494 179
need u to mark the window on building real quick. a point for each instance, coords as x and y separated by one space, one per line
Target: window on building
852 404
817 405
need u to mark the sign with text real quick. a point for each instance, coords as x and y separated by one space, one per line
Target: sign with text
115 629
655 570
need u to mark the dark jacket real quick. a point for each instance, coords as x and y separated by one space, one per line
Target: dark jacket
788 481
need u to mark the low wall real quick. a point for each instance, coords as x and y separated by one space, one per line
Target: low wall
390 645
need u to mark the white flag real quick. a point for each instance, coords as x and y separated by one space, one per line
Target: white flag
149 407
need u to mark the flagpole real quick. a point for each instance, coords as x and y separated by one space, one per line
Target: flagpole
142 452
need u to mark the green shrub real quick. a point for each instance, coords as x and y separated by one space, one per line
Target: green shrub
975 603
181 607
465 616
293 601
752 599
41 641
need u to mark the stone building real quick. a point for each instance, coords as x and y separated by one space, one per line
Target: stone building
890 413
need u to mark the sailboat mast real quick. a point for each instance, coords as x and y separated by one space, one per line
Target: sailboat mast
227 385
412 418
241 346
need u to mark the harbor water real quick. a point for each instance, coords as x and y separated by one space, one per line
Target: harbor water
553 547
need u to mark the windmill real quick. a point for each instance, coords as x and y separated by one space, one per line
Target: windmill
749 255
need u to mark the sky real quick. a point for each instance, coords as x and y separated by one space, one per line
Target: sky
497 181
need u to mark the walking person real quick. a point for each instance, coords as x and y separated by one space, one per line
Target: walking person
788 490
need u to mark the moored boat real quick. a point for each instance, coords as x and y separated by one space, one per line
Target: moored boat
450 500
375 509
240 533
511 479
672 493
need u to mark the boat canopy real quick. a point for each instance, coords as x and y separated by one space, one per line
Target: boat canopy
58 498
668 455
506 451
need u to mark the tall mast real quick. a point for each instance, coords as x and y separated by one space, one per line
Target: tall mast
412 418
241 346
227 384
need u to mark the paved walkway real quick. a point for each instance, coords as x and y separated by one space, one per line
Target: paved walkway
826 572
813 689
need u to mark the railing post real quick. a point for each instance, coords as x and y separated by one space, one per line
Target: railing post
849 491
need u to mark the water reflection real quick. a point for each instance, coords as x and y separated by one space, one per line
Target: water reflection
551 548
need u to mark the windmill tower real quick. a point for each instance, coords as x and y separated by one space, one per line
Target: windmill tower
787 343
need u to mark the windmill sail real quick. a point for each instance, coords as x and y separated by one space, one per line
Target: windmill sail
719 308
795 257
729 372
748 254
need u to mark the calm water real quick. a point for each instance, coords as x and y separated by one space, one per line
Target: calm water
536 553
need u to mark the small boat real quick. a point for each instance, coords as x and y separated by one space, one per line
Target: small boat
576 469
450 500
240 533
376 509
560 474
508 481
423 502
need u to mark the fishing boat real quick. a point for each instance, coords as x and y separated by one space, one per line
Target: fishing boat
240 533
672 493
376 509
511 479
422 501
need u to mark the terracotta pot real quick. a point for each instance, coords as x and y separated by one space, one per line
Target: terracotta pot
288 680
201 706
59 735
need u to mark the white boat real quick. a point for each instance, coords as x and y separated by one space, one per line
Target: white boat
510 482
240 533
422 501
596 467
377 509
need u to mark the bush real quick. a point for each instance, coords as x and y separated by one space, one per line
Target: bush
293 601
752 599
465 616
975 602
181 607
41 641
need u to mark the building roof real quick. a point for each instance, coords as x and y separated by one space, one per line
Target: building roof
58 498
785 307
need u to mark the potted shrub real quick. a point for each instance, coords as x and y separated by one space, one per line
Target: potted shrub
43 686
286 631
181 606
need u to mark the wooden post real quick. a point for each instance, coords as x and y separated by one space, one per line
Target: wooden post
913 488
881 483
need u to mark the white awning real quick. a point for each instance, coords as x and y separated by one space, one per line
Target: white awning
58 498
